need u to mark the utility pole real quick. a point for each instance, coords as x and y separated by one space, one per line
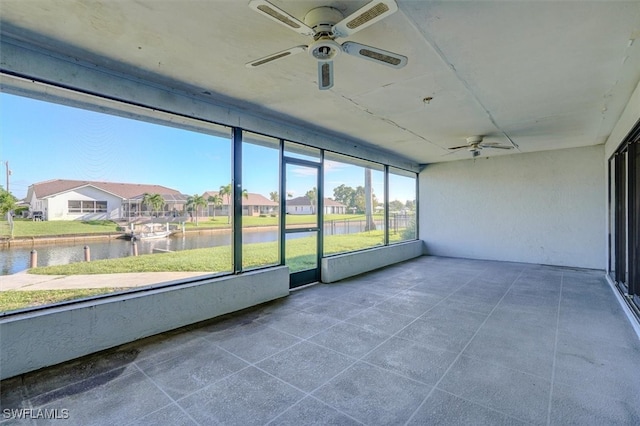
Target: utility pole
6 163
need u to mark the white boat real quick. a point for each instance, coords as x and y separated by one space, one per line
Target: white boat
151 232
151 235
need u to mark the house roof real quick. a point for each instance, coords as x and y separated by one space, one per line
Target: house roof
304 201
123 190
168 198
252 199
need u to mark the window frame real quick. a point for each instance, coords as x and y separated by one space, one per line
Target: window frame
76 98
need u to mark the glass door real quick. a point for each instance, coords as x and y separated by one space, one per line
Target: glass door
633 280
624 242
621 212
302 212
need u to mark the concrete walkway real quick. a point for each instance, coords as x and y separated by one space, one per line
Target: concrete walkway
25 281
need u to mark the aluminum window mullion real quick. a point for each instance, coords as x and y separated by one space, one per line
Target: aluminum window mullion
282 217
237 199
386 205
320 217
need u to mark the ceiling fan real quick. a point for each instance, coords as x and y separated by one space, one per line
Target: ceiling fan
475 144
325 24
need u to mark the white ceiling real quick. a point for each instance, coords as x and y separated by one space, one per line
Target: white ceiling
546 75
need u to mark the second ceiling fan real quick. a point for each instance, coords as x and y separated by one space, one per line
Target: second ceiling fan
325 24
475 144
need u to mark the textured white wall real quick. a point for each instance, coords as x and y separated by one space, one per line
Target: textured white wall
545 207
39 339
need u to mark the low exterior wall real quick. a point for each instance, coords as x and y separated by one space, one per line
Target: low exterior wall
39 339
339 267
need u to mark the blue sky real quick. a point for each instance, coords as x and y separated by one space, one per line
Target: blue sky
43 141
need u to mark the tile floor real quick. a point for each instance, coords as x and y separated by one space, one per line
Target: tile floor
430 341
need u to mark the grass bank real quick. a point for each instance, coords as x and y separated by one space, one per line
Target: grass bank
12 300
29 228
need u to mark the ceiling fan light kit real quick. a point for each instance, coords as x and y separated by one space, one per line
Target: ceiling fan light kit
325 24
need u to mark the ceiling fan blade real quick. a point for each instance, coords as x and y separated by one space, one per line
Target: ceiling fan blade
367 15
325 75
374 54
276 56
278 15
455 148
453 151
496 146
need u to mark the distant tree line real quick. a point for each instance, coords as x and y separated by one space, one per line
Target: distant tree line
353 198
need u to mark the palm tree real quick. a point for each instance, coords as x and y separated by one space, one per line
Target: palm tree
195 202
273 196
225 190
216 200
154 202
312 195
368 201
228 191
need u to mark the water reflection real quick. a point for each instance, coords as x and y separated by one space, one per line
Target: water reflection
16 259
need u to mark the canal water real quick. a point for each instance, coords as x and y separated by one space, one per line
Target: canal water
16 258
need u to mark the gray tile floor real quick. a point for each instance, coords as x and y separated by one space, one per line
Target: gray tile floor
430 341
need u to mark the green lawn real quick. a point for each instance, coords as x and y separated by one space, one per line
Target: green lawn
29 228
11 300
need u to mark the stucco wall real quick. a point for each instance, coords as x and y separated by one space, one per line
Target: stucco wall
339 267
38 339
545 207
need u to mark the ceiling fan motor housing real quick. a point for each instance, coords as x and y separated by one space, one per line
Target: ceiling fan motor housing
474 140
325 24
321 20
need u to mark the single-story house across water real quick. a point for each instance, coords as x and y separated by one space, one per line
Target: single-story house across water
252 205
63 199
302 205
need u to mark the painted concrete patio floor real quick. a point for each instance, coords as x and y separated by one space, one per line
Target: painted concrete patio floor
430 341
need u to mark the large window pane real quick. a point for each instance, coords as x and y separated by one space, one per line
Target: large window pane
301 251
301 206
261 201
137 189
353 205
402 205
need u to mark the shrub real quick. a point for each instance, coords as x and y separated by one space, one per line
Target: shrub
409 233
